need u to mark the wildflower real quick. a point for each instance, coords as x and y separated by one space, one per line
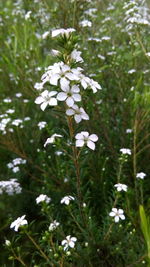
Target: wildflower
117 214
51 139
7 243
128 130
141 175
84 138
45 35
86 23
75 55
69 242
53 225
121 187
62 32
46 98
70 95
42 124
78 113
19 222
125 151
43 198
10 187
27 15
66 200
38 86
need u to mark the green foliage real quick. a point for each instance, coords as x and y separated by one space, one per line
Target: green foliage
145 226
115 54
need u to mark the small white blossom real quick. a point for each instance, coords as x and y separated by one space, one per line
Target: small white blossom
141 175
121 187
131 71
117 214
84 138
51 139
43 198
19 222
46 98
45 35
125 151
42 124
78 113
75 55
66 200
53 226
70 95
27 15
38 86
62 32
69 242
86 23
15 169
129 131
7 243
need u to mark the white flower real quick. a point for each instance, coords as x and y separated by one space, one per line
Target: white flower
51 139
70 95
66 200
53 225
141 175
131 71
43 198
46 98
69 242
42 124
62 73
62 32
7 243
15 169
125 151
27 15
55 52
75 55
45 35
128 130
117 214
19 222
78 113
86 23
38 86
121 187
84 138
148 54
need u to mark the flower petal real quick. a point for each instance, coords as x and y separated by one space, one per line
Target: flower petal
93 137
91 145
116 218
61 96
69 101
44 105
79 143
53 101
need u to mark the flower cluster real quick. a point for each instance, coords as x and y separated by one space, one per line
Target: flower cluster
68 83
135 14
10 187
14 164
43 198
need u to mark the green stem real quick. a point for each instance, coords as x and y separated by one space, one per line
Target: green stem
38 247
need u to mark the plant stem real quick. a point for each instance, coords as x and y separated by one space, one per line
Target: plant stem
18 258
38 247
76 164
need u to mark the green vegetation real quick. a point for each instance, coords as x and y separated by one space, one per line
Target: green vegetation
86 199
